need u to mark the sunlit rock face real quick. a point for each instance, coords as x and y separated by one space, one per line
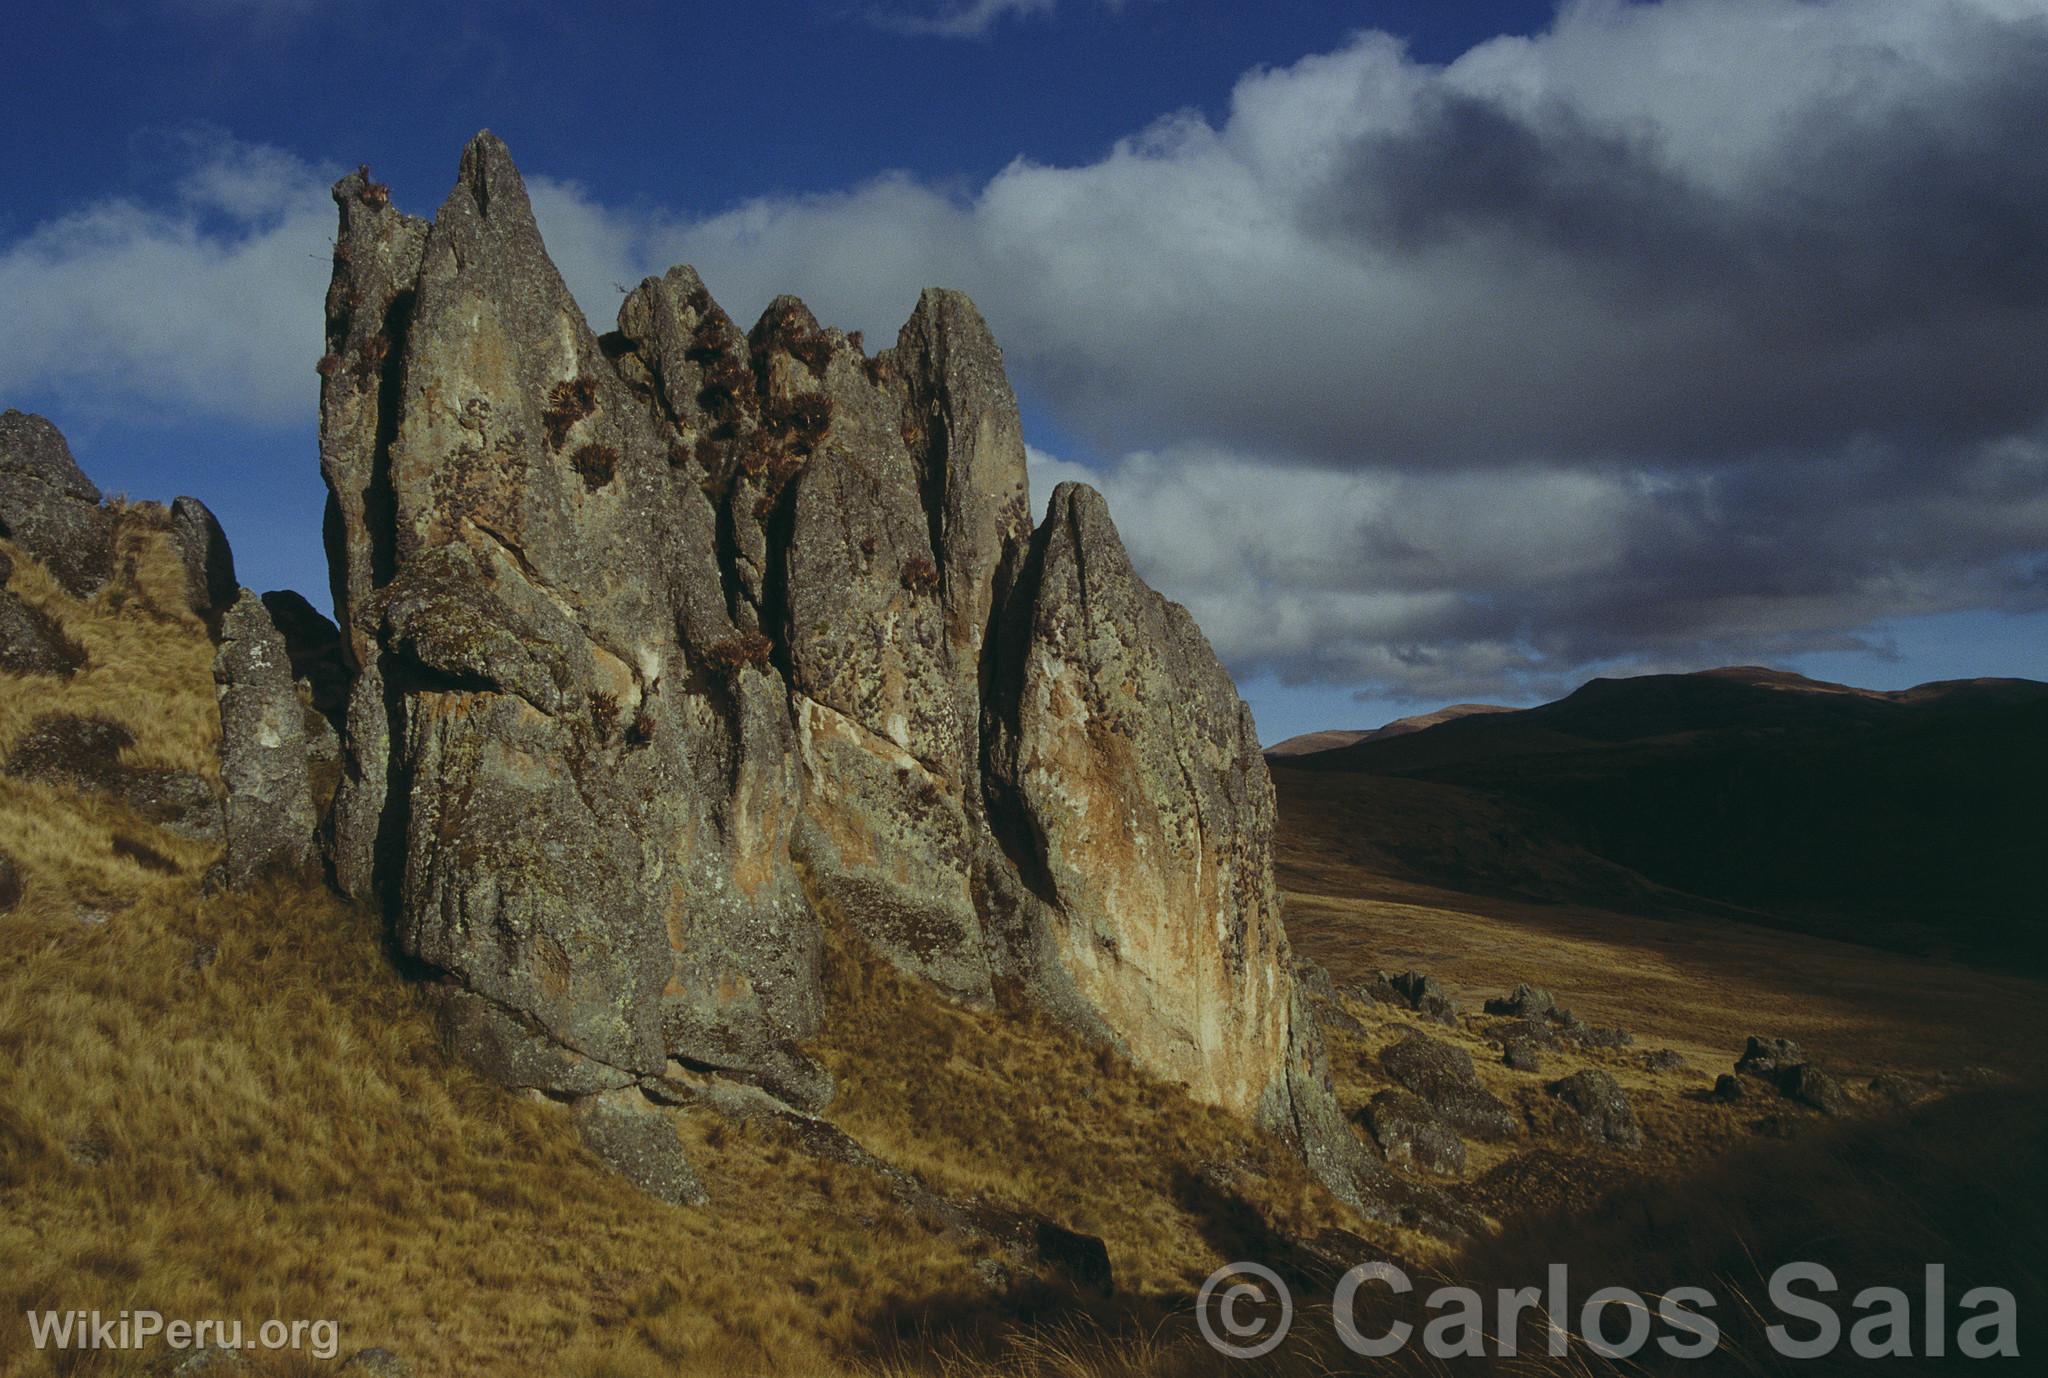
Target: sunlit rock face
674 646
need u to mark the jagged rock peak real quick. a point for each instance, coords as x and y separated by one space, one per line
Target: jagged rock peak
673 647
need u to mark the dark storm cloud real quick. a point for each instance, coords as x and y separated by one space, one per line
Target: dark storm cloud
1682 332
1885 271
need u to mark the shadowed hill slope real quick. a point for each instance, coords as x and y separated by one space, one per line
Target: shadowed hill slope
1909 819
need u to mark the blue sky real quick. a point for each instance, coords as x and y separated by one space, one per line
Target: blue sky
1428 352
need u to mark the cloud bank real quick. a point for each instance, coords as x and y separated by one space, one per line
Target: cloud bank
1681 332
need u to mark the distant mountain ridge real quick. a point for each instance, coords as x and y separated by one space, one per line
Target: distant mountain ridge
1908 818
1330 739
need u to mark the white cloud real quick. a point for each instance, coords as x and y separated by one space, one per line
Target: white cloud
210 304
1685 330
962 18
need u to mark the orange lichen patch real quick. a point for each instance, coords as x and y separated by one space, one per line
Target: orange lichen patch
761 837
550 967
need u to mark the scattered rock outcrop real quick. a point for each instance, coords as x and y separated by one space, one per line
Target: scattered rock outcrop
1784 1066
1410 990
264 762
1413 1134
1899 1090
50 508
1592 1105
1443 1076
1526 1002
670 646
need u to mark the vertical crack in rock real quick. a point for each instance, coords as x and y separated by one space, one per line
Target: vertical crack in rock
671 646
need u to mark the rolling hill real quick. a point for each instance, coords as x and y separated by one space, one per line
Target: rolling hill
1908 819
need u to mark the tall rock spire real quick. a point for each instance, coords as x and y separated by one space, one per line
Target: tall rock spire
675 646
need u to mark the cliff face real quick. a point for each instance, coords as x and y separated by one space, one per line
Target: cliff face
674 645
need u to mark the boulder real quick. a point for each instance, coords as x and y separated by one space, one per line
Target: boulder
638 1141
1899 1090
1783 1064
1443 1076
1595 1035
263 757
1815 1088
1522 1054
1769 1058
210 583
49 507
31 643
1526 1002
376 1363
1421 993
1592 1105
1413 1134
1536 1032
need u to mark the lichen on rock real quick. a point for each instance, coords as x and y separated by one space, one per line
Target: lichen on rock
673 646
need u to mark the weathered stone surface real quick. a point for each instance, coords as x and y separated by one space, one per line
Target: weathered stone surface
321 674
1783 1065
85 754
1525 1002
263 757
31 643
1443 1075
1413 1135
376 1363
1899 1090
1130 781
1522 1054
51 509
210 583
638 1141
1324 1000
1413 990
579 809
1592 1105
670 648
1769 1058
1816 1088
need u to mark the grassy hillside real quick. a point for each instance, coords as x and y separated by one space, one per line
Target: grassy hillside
1908 820
236 1106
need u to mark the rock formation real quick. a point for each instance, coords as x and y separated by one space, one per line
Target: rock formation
675 646
50 508
210 584
264 759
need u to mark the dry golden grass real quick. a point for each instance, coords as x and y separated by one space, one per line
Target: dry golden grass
148 663
236 1107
